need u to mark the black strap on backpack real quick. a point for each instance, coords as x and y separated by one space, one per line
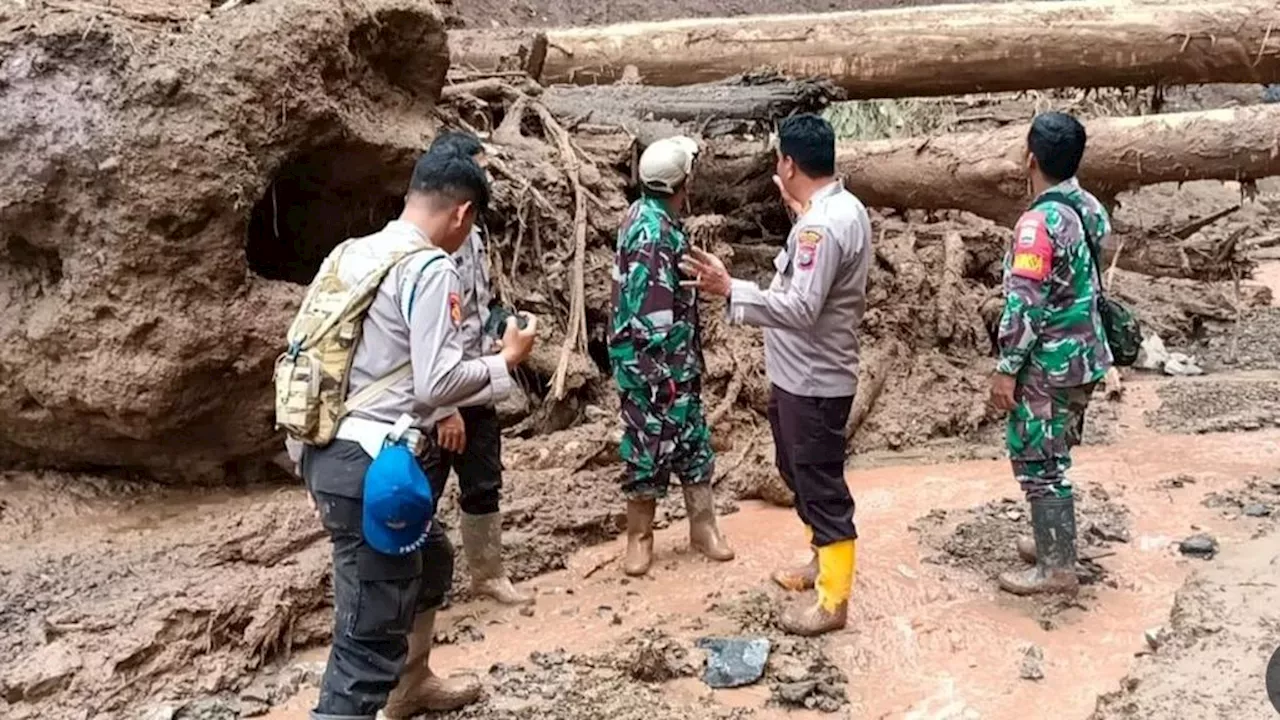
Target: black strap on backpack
1095 251
1123 331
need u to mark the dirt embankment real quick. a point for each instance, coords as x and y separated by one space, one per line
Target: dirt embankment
167 172
1210 660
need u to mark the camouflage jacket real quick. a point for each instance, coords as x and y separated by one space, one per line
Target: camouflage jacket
1051 332
654 335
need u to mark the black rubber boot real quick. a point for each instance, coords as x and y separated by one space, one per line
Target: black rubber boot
1053 522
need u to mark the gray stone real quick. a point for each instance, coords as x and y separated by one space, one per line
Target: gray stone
1199 545
734 662
1032 667
1256 510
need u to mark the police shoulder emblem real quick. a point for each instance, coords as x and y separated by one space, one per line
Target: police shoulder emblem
807 248
455 308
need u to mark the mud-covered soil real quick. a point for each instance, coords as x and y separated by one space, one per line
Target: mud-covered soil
1256 497
154 598
1210 658
635 680
1216 405
107 600
1251 344
981 539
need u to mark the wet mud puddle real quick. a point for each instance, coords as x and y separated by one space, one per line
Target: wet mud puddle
927 638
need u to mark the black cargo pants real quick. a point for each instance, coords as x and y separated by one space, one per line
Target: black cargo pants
808 434
375 596
479 465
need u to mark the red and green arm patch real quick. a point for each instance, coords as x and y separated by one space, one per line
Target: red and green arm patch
1032 247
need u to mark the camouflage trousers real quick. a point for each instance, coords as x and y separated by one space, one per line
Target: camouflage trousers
662 433
1044 425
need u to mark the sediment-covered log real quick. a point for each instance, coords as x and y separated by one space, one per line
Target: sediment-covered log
984 173
492 51
741 104
940 50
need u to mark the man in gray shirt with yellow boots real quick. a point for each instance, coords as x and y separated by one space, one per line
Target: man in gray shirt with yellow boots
811 313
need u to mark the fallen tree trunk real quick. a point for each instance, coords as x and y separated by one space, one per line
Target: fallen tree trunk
494 51
983 173
738 105
941 50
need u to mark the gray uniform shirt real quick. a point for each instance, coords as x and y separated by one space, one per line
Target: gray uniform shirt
417 316
473 276
812 309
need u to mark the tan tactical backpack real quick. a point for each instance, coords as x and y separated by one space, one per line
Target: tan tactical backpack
311 375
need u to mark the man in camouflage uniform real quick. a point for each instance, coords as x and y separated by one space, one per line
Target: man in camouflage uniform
1053 347
656 356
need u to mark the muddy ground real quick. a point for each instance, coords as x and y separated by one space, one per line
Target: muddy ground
122 597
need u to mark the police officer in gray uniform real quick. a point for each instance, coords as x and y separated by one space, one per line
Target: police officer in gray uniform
811 313
473 434
385 605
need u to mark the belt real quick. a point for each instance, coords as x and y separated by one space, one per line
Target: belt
372 435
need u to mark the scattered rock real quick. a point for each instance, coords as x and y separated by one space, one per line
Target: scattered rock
1199 545
655 657
1032 666
796 693
217 708
44 672
1154 637
791 671
734 662
1256 510
256 699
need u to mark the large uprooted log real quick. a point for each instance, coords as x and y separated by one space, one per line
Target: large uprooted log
940 50
984 172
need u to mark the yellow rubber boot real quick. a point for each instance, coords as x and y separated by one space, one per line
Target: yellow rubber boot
799 579
837 565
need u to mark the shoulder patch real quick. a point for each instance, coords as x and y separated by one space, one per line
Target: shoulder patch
1032 247
455 309
807 247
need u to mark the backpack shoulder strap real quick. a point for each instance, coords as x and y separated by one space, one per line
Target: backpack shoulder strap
1063 199
377 387
410 282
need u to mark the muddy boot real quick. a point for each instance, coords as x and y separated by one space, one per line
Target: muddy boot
836 566
799 579
482 541
1026 548
421 690
704 533
639 536
1053 520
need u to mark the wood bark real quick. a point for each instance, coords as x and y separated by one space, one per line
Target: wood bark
942 50
496 51
983 173
741 104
